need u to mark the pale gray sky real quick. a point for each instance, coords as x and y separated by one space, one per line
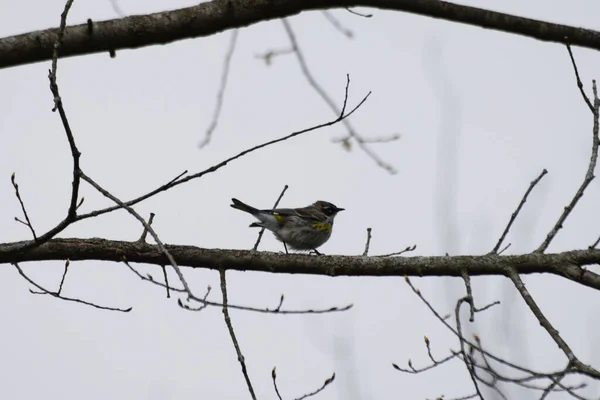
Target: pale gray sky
501 107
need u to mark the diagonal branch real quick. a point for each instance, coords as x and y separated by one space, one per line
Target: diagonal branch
589 176
321 92
215 16
147 227
182 179
221 94
514 215
236 345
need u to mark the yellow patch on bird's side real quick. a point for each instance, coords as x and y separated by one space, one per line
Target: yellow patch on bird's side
278 217
323 226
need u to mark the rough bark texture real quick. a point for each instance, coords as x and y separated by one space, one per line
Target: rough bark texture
219 15
567 264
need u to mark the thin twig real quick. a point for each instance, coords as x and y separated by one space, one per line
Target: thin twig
142 238
164 270
58 105
589 176
222 87
366 252
342 117
325 384
274 378
232 334
319 89
205 302
137 216
337 24
579 83
468 362
62 281
262 230
467 279
28 221
514 215
406 250
59 296
359 14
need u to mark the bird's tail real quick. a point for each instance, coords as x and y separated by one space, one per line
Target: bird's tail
238 205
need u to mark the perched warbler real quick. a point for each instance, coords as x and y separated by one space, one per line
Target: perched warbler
301 228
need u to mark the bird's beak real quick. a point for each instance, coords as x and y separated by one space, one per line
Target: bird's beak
340 209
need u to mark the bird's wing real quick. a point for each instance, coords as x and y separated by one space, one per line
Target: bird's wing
306 213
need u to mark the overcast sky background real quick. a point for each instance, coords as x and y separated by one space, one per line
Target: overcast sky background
481 113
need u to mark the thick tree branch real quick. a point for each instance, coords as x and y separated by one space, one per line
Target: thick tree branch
216 16
568 264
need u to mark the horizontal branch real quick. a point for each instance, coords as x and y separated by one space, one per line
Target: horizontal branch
219 15
568 264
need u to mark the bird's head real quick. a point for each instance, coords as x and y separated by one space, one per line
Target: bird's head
327 208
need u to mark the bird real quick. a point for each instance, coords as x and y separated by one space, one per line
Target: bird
302 229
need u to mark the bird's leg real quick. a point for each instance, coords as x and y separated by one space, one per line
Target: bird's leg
317 253
285 247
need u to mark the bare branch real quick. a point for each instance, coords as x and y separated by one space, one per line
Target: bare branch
147 226
343 115
567 264
58 105
406 250
589 176
467 360
205 302
62 280
514 215
579 83
211 17
537 312
262 230
274 378
325 384
28 222
323 94
59 296
366 252
222 87
337 24
469 299
359 14
232 334
145 231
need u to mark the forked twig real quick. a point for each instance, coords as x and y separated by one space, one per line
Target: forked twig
146 226
27 221
323 94
341 117
205 302
59 296
589 176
